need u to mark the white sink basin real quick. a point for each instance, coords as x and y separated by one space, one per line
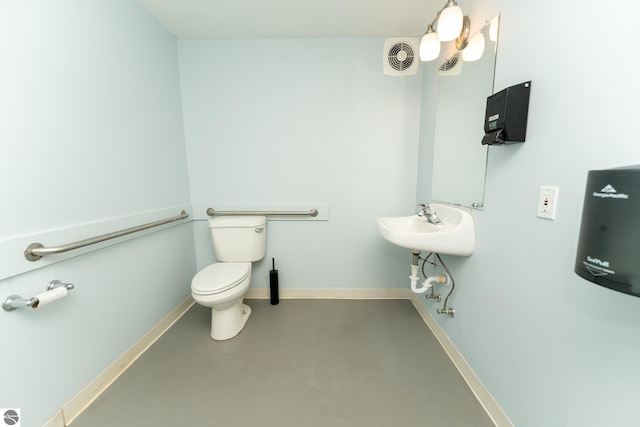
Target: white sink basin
455 236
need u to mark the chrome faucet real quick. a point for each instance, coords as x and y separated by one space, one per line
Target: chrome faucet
428 214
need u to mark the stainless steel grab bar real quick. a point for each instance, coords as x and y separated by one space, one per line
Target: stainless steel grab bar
311 212
35 251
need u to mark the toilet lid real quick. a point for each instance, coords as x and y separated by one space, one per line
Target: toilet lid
219 277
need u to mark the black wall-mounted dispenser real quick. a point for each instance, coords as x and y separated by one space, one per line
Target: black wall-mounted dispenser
610 231
505 120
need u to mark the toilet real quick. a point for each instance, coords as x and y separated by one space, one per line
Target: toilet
237 242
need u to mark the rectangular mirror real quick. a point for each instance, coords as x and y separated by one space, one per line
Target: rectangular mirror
459 158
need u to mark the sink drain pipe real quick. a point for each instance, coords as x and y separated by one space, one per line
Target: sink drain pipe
445 279
428 282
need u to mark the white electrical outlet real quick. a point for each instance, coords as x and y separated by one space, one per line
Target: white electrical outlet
547 202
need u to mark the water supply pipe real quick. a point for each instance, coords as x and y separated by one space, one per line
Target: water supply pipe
450 281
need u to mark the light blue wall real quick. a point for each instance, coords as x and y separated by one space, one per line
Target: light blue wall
553 349
91 130
303 121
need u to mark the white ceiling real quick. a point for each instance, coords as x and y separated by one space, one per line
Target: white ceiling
198 19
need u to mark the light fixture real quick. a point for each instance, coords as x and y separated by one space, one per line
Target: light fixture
474 49
429 45
450 24
449 21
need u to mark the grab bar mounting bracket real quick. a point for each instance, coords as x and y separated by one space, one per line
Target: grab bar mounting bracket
28 252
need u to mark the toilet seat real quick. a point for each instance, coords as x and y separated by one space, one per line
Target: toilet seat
220 277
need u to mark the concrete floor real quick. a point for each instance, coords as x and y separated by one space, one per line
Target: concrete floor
302 363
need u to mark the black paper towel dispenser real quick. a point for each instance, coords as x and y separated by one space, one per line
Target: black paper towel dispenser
505 120
610 231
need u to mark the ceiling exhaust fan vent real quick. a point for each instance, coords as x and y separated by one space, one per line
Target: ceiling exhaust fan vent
400 56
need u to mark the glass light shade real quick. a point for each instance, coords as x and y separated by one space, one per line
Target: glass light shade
429 47
474 49
450 23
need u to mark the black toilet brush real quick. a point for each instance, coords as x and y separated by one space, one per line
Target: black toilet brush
273 282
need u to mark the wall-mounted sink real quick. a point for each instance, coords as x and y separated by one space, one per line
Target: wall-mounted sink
455 236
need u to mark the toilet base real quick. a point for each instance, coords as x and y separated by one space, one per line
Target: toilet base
228 321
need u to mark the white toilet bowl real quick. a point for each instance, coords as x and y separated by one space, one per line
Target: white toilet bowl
222 286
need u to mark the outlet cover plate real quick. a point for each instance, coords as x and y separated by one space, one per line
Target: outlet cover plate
547 202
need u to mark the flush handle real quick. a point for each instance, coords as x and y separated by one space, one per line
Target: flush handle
259 230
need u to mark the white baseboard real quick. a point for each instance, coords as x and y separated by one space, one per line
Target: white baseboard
331 293
87 395
57 420
485 398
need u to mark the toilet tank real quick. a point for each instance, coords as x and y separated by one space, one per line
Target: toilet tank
239 238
